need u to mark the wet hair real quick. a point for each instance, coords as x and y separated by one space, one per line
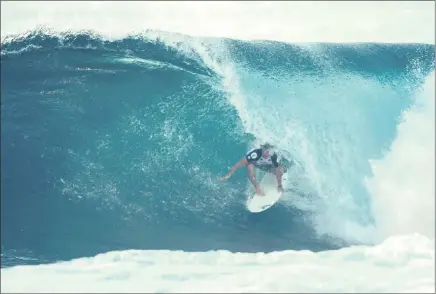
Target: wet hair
266 146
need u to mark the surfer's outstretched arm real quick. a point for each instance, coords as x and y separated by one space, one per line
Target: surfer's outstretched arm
240 163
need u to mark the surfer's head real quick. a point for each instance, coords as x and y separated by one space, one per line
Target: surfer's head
266 149
266 153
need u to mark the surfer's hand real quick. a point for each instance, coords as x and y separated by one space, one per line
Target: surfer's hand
259 192
224 179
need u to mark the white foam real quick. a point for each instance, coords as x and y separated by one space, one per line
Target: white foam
403 185
294 21
402 265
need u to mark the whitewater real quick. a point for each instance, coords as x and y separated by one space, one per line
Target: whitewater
119 117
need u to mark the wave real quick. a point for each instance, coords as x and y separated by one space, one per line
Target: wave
118 144
402 186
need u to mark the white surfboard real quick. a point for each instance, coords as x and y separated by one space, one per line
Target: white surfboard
258 203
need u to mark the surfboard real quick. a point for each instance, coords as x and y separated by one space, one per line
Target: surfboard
257 203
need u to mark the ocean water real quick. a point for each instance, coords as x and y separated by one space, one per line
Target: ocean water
112 148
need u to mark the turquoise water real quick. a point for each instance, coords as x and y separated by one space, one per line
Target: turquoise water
111 145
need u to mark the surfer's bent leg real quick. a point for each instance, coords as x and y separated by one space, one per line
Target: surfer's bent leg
252 175
278 171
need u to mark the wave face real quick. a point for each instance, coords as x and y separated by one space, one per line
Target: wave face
118 144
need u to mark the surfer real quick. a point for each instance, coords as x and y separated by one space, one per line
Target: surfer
263 159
